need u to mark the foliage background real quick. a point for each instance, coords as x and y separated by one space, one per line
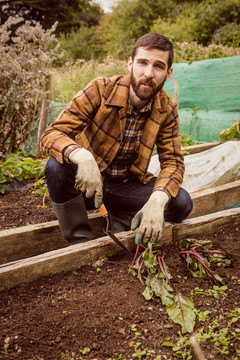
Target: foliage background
93 43
86 32
25 56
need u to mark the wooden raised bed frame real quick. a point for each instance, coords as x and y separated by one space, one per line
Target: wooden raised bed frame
32 251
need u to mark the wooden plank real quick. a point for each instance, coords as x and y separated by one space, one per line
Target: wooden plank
72 257
33 240
36 239
176 89
75 256
206 224
194 149
215 199
42 125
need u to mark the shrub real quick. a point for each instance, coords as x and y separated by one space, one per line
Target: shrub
26 53
79 44
188 52
228 34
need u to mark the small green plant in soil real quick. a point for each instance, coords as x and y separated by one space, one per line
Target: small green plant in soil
39 187
18 167
85 351
133 330
142 354
5 348
216 291
222 338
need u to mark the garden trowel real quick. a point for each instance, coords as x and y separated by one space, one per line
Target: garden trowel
103 211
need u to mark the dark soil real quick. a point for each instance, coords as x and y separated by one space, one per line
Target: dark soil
96 306
19 208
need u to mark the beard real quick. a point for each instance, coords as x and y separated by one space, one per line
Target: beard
145 94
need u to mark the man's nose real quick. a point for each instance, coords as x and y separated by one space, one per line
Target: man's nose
148 72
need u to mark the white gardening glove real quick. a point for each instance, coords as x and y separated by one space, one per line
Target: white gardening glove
150 219
88 176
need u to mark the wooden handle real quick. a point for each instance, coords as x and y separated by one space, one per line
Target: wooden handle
103 210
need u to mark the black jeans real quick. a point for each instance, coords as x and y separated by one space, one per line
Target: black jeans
120 197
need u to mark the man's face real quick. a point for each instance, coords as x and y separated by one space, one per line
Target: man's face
149 71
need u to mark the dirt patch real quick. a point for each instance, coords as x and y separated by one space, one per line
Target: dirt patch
19 208
99 309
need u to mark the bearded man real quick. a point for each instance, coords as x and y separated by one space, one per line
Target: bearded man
103 142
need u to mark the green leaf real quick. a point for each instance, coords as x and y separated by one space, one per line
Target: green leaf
184 316
3 179
147 293
202 244
222 259
2 189
85 351
196 269
132 272
162 289
168 344
149 259
204 315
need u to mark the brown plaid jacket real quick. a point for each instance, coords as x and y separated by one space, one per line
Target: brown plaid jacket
95 119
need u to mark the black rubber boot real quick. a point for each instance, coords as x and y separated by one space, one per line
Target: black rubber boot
73 220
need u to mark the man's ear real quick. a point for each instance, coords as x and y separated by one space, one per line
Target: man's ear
169 73
130 62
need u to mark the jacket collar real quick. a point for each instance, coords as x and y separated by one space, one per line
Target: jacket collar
119 94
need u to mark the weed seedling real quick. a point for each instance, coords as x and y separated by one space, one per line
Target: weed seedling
5 348
85 351
204 315
141 354
133 330
215 291
119 357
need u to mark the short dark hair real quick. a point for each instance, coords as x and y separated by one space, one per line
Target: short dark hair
154 41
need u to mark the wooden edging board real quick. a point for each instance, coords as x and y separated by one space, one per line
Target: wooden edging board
194 149
218 198
33 240
72 257
36 239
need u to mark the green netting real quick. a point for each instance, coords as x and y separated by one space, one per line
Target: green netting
54 110
231 206
208 96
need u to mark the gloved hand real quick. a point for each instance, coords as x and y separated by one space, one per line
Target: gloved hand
150 219
88 176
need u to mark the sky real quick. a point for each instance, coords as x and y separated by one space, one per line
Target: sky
105 4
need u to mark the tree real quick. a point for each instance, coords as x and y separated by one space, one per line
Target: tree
228 34
202 21
68 13
129 20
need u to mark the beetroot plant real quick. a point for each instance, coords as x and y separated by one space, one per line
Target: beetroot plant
199 254
150 268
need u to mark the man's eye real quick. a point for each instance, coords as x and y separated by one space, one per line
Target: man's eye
159 66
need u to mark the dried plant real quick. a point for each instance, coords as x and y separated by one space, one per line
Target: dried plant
27 52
